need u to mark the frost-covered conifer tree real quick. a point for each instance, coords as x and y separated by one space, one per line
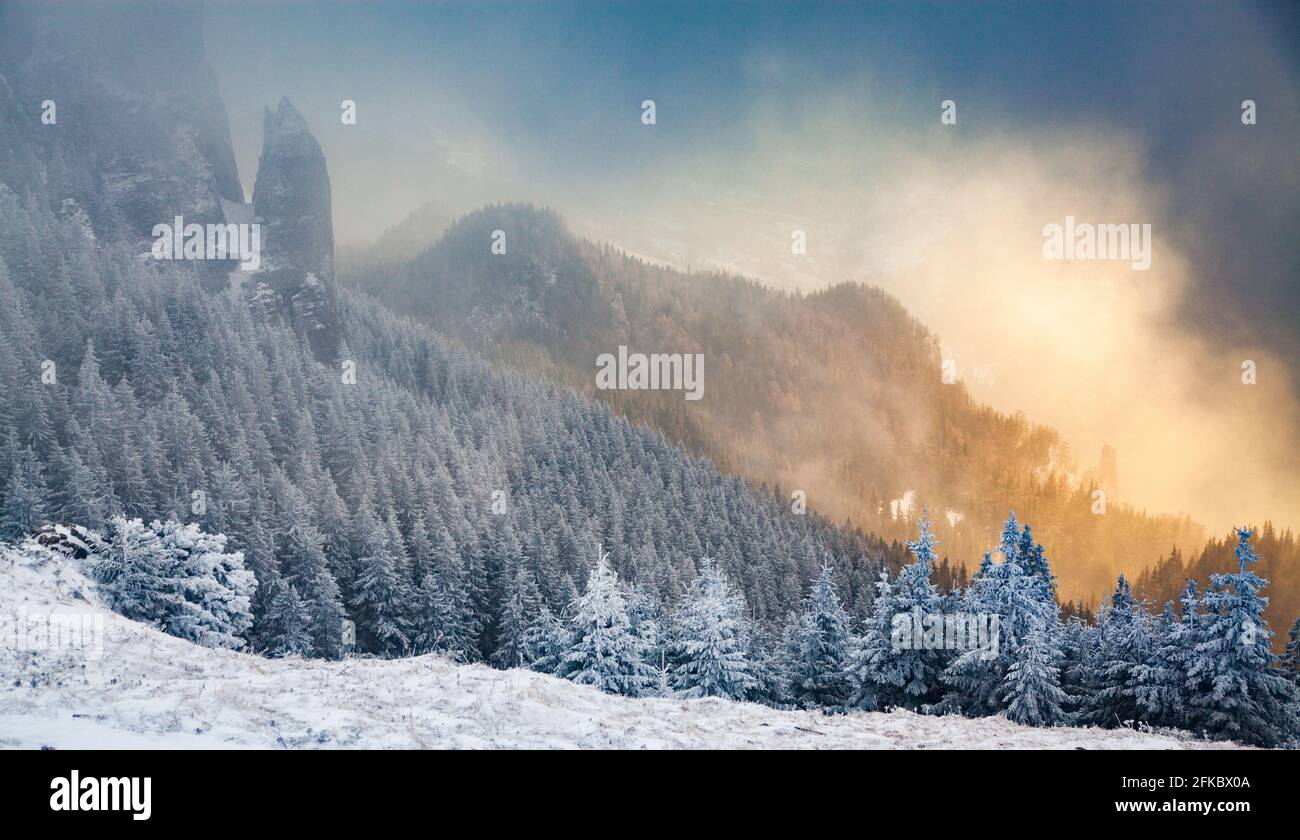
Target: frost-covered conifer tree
135 571
1238 692
770 688
1123 646
1032 692
448 620
1034 562
84 499
545 642
1010 540
1078 649
871 650
1161 678
976 682
1187 636
603 651
290 622
1019 592
708 652
177 577
381 593
519 610
23 498
650 622
421 549
817 674
325 604
910 675
1291 659
216 590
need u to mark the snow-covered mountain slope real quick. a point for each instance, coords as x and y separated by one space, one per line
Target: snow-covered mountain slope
135 687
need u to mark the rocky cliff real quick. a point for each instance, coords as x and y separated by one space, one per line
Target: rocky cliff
292 201
137 134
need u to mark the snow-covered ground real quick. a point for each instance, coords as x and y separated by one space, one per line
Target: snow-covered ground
144 689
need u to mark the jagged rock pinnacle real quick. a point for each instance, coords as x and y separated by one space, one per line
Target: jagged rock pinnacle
291 198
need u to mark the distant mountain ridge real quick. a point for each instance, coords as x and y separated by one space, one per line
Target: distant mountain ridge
838 393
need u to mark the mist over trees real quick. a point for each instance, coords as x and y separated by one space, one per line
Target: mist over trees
840 393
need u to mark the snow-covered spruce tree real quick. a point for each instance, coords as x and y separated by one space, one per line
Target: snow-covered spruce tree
478 582
708 652
446 618
289 620
1187 636
975 680
1033 561
651 623
325 604
23 498
545 643
1238 692
1161 678
817 675
909 677
500 554
177 577
1010 540
426 631
918 672
216 590
381 595
770 688
603 651
1291 658
135 572
1123 646
420 548
401 559
1021 598
1032 691
84 497
785 654
259 554
1028 595
871 650
522 605
1078 649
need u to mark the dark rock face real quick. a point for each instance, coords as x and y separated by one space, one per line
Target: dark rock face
292 201
141 133
142 137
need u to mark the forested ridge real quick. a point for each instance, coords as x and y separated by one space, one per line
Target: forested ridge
163 391
838 393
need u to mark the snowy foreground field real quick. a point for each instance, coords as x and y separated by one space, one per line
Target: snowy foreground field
143 689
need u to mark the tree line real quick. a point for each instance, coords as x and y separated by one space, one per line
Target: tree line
1205 667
